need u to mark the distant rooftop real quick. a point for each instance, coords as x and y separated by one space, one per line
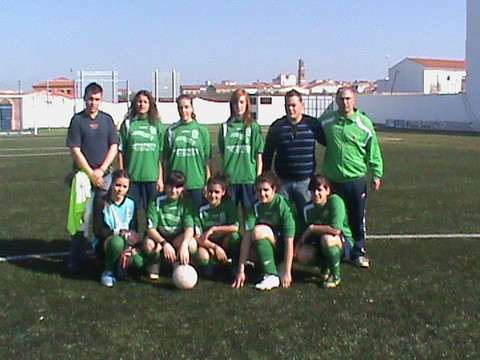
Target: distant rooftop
441 64
58 82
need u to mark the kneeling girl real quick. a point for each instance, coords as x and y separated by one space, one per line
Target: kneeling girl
115 225
270 226
218 225
326 238
170 226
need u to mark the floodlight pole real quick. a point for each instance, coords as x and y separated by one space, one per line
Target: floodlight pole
174 85
156 84
113 87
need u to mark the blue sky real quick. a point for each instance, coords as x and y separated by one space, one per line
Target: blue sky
218 40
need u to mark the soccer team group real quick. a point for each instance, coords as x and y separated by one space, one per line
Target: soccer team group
287 211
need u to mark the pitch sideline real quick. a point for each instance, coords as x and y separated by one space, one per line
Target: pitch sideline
370 237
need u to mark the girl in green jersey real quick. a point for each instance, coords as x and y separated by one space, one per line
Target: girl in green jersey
241 143
141 146
326 238
170 226
270 226
218 225
187 148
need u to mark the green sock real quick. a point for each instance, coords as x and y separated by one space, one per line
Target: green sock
203 262
154 258
115 247
234 244
333 256
139 261
266 255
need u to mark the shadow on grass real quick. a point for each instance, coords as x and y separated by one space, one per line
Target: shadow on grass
18 247
46 257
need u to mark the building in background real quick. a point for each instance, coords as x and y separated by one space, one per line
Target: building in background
285 80
61 85
427 76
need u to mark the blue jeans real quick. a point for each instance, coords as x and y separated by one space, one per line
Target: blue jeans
142 192
297 192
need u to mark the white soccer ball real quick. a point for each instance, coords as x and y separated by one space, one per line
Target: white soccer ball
185 277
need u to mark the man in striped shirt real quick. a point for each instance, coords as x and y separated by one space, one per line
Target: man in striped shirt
290 148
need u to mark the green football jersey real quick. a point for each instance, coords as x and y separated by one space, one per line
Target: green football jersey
141 144
278 214
224 214
240 146
169 217
333 213
187 148
352 147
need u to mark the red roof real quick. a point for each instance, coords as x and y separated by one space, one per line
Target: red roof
58 82
441 64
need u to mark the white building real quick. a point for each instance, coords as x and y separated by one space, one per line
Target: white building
427 76
453 112
323 87
285 80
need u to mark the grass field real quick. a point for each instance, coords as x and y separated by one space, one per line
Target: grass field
420 299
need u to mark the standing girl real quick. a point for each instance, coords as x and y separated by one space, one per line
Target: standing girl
114 224
241 144
326 234
141 145
170 226
218 225
270 226
187 149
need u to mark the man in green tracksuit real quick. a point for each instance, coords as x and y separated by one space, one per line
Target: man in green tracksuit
352 150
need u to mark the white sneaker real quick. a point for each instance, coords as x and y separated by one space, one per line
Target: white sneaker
362 262
268 282
153 271
108 279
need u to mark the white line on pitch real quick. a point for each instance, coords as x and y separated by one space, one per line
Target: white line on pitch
33 149
36 256
424 236
373 237
36 154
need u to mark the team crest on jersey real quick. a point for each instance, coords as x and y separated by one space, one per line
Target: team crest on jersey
153 130
195 134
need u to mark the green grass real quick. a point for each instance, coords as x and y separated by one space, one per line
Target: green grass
419 299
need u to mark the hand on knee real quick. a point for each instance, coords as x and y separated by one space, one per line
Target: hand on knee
150 246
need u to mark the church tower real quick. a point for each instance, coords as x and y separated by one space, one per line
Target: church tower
301 79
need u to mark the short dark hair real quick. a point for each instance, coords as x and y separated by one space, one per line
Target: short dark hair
293 93
176 178
317 181
271 178
119 173
220 179
92 88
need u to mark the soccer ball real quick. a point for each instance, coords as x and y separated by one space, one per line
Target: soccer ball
185 277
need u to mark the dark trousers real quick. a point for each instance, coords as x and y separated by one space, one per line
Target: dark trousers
354 194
